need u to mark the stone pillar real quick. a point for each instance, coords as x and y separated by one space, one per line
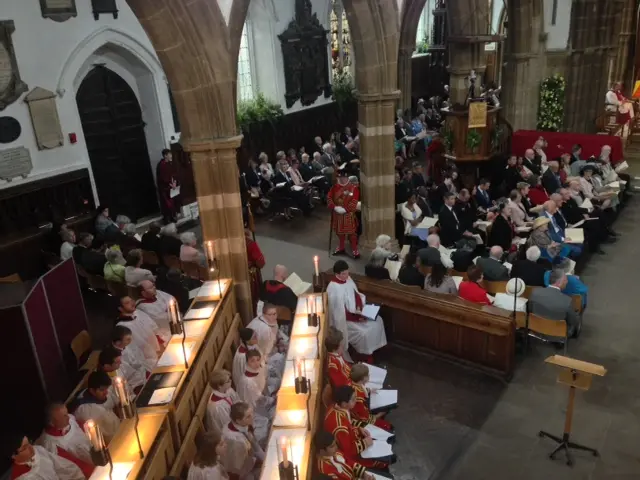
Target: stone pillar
405 56
464 57
377 170
215 172
621 58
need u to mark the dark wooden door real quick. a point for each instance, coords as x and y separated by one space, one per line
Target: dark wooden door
114 131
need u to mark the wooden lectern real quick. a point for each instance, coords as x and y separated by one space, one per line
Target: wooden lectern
575 374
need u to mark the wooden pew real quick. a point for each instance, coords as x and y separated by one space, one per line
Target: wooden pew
478 336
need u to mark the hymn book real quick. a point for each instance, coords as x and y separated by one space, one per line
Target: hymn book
295 283
379 449
377 433
376 374
393 266
383 398
428 222
621 167
574 235
370 311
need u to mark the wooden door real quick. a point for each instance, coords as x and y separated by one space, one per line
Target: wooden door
114 132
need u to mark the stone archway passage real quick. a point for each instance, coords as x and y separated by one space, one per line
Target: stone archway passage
114 133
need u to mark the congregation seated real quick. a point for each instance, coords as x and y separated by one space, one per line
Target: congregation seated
276 292
68 243
462 258
284 183
601 197
206 465
439 281
537 194
502 229
432 255
492 267
540 237
223 396
375 267
34 462
175 284
127 240
383 247
483 198
114 268
519 214
104 225
531 270
86 257
574 285
472 289
511 300
556 231
188 250
409 273
150 239
412 216
451 229
552 304
346 304
551 180
168 242
134 274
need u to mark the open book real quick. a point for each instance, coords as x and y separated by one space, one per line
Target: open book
383 398
379 449
574 235
404 251
370 311
621 167
394 268
295 283
376 374
458 281
587 204
428 222
316 178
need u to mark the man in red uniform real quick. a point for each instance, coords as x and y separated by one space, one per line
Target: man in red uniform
337 367
343 201
350 435
334 464
166 177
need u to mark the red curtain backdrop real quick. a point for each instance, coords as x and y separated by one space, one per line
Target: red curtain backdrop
560 143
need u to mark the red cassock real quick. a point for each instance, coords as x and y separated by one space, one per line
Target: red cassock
347 197
339 370
165 175
362 412
349 439
256 261
340 467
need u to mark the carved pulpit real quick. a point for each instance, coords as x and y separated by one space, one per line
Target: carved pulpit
305 54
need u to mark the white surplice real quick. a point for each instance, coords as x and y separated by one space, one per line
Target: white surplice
72 440
158 309
243 451
366 337
219 408
273 372
269 338
251 391
239 364
46 466
145 333
102 414
133 368
216 472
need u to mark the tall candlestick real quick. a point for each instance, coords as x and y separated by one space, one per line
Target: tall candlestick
210 256
172 311
121 391
315 265
95 436
284 446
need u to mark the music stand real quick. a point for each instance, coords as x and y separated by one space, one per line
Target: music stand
575 374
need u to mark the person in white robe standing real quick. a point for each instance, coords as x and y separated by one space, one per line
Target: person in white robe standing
155 303
345 305
221 400
272 343
133 364
146 334
251 390
96 404
36 463
248 341
63 432
211 446
243 456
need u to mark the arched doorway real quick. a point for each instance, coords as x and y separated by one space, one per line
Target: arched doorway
114 133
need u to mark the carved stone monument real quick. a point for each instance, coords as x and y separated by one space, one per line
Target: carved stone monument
104 6
11 86
306 61
44 117
15 162
58 10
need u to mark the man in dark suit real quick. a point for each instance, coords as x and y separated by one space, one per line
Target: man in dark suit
595 229
529 270
551 178
150 241
417 178
431 255
451 229
532 161
169 243
92 261
482 194
422 200
492 268
552 304
402 190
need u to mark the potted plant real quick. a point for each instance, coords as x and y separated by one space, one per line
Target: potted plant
551 108
257 111
342 89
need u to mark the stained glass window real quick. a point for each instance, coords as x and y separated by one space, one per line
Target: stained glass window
423 33
341 54
245 79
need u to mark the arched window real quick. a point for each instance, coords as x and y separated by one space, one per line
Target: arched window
423 33
341 54
245 78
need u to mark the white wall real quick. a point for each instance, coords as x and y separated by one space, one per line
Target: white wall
266 23
558 34
57 56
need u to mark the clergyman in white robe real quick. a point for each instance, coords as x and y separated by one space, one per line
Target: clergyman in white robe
345 304
145 333
215 472
219 407
133 368
101 413
158 310
251 391
72 439
243 452
47 466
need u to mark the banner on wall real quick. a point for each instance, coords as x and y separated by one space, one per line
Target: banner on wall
636 90
477 115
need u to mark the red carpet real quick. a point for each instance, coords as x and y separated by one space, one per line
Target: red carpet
560 142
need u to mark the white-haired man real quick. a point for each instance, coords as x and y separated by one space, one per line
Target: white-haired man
433 254
492 268
530 270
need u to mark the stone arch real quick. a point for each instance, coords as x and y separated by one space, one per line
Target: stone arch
409 19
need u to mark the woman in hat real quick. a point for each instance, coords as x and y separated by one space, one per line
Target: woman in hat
588 187
511 299
540 238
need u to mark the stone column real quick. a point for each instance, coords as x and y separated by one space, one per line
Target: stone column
621 63
215 172
405 56
377 170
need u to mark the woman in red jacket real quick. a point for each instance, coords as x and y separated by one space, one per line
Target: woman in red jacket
537 194
471 290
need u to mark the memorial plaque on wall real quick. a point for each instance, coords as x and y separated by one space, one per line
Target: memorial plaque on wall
58 10
11 86
104 6
44 117
15 162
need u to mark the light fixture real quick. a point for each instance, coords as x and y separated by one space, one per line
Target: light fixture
125 409
302 384
100 455
177 328
312 316
286 469
212 263
316 266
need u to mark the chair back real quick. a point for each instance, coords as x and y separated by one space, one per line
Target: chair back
171 261
191 269
117 289
81 345
544 326
150 258
576 303
455 273
521 319
495 287
284 314
13 278
97 282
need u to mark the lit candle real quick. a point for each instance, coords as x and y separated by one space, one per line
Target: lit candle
300 367
210 250
172 311
309 305
284 446
315 265
121 392
95 436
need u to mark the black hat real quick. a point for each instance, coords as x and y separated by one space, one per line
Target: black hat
587 167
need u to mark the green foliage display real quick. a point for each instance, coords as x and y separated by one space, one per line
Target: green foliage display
474 139
447 138
259 109
551 108
423 46
342 89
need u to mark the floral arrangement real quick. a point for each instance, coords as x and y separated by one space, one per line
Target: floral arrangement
447 138
256 110
423 46
474 139
342 89
551 108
